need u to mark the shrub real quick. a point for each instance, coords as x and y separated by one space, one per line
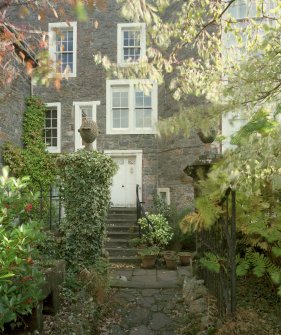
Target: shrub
158 232
87 179
19 286
33 160
180 240
20 278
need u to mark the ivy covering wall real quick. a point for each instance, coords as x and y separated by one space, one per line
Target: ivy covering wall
87 177
32 160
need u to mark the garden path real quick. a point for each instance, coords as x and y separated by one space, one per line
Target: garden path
148 302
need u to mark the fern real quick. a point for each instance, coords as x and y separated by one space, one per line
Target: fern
260 264
243 266
277 250
211 262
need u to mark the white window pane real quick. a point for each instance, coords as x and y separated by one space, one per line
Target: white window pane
124 119
120 118
147 118
120 99
64 50
86 112
50 128
144 118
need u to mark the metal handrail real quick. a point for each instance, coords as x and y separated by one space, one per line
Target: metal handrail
141 211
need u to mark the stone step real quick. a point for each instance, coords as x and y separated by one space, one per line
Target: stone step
117 242
124 228
122 235
121 221
120 216
121 252
122 210
124 259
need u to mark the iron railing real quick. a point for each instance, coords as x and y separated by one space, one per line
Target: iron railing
51 209
141 212
221 241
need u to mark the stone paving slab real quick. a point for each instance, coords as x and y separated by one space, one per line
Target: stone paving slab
143 311
143 278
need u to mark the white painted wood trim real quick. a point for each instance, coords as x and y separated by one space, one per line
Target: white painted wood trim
134 26
56 149
78 120
52 44
131 83
167 191
126 153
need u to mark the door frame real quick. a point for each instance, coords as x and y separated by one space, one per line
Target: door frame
129 153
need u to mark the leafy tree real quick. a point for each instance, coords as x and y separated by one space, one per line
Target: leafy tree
187 39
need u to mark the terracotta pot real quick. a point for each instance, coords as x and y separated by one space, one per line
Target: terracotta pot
171 263
185 258
169 253
148 261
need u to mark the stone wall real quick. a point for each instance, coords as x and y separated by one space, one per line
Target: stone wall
163 161
12 105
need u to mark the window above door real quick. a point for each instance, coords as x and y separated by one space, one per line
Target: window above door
131 106
131 43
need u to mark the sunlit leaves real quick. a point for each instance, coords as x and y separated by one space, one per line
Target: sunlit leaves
81 11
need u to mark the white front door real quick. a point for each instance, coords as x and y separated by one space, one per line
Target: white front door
123 191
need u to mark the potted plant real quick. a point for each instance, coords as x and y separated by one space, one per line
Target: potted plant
148 256
171 260
156 234
185 257
156 231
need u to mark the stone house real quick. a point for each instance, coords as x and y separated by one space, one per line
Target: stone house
126 111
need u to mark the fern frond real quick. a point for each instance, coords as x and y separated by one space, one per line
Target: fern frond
211 262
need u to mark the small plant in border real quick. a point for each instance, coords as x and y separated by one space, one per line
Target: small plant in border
156 231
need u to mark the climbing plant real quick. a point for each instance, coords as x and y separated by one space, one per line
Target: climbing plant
87 179
32 160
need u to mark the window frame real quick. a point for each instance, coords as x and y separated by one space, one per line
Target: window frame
52 45
132 129
78 120
55 149
165 190
120 42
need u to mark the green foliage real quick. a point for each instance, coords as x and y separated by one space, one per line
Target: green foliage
211 261
160 206
254 171
16 202
260 265
33 160
156 233
87 179
149 251
179 240
19 293
20 278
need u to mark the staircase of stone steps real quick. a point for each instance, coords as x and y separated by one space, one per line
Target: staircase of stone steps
121 229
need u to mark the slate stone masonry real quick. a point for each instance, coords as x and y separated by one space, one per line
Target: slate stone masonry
12 105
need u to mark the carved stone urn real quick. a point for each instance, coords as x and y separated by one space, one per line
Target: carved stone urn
208 137
88 132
